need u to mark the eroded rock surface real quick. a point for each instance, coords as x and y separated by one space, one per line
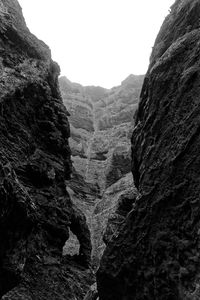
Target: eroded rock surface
35 209
156 253
101 124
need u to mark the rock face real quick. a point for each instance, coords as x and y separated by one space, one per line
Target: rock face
156 253
101 124
35 209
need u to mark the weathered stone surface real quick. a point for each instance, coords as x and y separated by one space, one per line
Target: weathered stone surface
101 124
125 203
35 209
106 219
156 253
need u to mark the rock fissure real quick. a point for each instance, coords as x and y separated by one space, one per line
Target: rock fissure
58 217
100 151
91 142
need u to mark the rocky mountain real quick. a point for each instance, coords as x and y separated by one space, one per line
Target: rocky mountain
101 122
36 212
155 254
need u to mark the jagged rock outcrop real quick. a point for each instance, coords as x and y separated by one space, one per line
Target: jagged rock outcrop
35 209
156 253
101 124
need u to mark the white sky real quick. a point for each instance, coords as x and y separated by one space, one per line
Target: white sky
97 42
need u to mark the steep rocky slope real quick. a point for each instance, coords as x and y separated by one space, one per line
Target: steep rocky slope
156 253
101 124
35 209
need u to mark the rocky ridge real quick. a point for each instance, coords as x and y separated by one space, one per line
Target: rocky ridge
155 254
36 211
101 122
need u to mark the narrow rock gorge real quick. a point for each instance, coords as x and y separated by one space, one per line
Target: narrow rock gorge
54 209
155 254
91 182
101 122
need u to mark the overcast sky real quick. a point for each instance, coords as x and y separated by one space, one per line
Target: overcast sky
97 42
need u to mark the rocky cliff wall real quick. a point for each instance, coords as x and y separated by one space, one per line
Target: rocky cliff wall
101 124
156 253
35 209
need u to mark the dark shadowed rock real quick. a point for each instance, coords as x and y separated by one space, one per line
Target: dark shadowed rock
125 204
35 209
156 252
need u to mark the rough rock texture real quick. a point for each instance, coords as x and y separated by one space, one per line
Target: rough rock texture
106 218
35 209
125 204
156 253
101 124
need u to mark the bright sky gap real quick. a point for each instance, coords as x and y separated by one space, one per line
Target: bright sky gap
97 42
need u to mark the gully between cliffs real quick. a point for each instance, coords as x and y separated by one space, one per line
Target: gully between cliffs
101 122
150 229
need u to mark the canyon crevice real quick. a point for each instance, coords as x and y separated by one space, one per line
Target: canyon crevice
88 178
48 205
101 122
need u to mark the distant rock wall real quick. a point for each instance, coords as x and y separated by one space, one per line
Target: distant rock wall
101 124
35 209
155 255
